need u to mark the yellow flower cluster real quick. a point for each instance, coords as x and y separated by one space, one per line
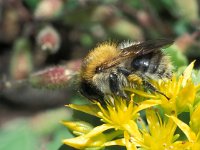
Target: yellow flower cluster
123 124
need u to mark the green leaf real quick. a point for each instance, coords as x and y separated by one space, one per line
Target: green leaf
17 135
65 147
48 122
177 58
196 76
58 136
180 27
32 3
86 40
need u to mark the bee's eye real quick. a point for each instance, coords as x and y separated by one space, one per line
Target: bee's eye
98 70
91 92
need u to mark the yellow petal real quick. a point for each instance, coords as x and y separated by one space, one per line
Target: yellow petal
187 73
147 104
82 142
91 109
195 119
182 145
186 96
185 128
79 142
120 142
99 129
78 127
129 144
196 146
94 138
141 93
153 121
132 128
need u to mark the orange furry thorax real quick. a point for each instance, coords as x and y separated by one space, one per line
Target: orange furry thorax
96 57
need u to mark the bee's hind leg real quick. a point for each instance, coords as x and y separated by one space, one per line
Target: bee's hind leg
149 86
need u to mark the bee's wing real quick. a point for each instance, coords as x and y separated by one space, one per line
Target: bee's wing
135 50
144 47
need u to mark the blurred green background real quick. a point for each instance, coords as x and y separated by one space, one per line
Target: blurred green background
57 34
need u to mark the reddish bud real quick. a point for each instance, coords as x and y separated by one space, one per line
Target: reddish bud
55 77
50 78
49 39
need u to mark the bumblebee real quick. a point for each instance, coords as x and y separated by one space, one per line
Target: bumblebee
110 67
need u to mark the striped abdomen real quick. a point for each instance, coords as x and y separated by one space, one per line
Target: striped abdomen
152 65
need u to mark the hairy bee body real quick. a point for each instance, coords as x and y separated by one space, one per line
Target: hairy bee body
107 68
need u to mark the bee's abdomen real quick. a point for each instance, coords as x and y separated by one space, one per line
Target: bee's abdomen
144 63
152 64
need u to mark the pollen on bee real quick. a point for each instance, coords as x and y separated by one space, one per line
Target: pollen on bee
135 79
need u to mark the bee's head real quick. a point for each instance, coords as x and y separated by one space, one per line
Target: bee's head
91 92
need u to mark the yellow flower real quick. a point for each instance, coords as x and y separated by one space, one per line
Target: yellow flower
192 136
180 92
161 134
122 124
120 116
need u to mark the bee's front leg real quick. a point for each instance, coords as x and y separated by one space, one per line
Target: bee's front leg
116 85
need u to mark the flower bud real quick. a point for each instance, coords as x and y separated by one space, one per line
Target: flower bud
48 39
78 127
53 77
